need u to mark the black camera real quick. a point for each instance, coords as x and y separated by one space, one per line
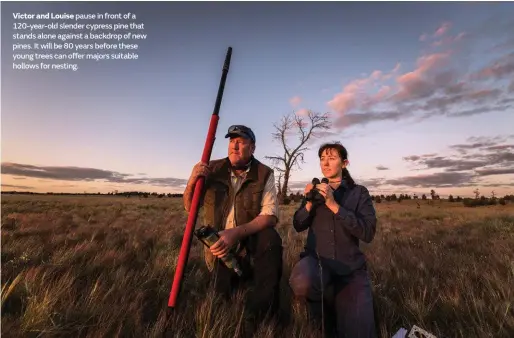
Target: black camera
314 195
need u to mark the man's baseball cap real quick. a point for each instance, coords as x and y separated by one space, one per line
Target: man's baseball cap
240 130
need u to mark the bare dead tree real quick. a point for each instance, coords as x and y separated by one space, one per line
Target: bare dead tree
305 127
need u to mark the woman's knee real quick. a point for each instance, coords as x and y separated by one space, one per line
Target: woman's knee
300 284
303 281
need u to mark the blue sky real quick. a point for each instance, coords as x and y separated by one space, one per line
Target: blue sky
399 80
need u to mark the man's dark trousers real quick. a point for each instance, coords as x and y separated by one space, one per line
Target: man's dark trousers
262 265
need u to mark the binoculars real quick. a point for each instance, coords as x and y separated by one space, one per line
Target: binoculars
314 195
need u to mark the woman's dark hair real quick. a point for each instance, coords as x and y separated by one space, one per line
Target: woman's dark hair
343 153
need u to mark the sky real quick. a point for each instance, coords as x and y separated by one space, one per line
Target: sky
420 94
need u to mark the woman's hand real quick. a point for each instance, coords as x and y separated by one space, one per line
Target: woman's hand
326 191
308 188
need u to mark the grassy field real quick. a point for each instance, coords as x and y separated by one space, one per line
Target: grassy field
80 266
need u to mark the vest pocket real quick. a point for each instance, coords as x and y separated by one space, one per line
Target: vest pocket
253 200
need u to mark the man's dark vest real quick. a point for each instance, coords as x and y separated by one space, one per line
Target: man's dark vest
219 195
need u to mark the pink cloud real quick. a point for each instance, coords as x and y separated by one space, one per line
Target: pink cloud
374 99
482 94
460 36
347 99
503 67
376 75
426 63
438 84
504 46
439 33
295 101
302 112
382 93
441 37
448 40
443 29
415 84
394 72
354 94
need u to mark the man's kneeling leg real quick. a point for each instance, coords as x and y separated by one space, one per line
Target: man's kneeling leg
265 250
222 279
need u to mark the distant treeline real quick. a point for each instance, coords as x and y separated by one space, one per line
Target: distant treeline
123 194
470 202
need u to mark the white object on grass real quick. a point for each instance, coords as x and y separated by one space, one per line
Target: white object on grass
417 332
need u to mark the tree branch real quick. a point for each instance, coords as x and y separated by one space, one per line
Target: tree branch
305 128
276 159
